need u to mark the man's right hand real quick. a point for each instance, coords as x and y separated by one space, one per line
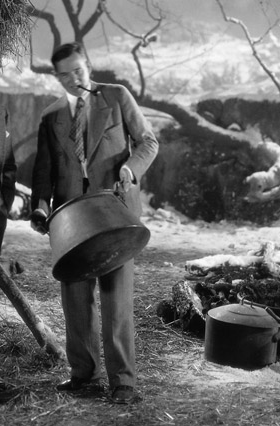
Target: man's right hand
38 221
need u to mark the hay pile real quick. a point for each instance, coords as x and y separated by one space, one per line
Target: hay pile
15 28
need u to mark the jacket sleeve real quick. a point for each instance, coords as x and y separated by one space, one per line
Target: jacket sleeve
7 164
144 142
42 182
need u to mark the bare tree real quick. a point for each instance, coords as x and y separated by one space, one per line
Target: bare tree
144 39
82 29
253 42
264 185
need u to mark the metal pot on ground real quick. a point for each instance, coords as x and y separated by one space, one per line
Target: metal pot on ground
241 335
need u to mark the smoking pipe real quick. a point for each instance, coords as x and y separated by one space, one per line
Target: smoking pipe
94 92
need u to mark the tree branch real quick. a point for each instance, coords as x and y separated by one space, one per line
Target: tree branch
104 7
81 30
138 63
73 17
252 43
49 18
80 6
93 18
42 333
144 39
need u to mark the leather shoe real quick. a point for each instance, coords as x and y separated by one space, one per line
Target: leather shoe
122 394
77 383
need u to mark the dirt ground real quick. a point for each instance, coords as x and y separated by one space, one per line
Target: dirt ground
175 384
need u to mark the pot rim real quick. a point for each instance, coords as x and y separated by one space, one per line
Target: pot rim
81 198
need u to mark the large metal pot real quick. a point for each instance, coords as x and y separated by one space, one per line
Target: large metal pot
92 235
241 336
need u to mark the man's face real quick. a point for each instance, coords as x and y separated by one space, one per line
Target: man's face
73 71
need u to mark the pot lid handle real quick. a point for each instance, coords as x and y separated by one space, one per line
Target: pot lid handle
272 314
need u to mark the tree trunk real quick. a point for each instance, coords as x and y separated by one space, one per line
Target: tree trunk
42 333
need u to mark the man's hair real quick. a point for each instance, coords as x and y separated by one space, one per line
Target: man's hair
66 50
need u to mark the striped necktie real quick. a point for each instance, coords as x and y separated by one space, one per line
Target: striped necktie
77 129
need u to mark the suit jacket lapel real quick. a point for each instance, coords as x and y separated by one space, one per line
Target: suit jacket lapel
98 119
62 127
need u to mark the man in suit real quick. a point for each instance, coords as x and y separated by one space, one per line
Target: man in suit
7 173
119 146
7 193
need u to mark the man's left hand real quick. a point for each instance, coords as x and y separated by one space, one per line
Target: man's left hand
38 221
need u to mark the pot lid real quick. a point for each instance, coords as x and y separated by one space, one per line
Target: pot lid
239 314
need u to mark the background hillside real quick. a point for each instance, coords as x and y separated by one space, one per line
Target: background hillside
187 71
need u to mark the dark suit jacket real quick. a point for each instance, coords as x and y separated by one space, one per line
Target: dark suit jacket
118 134
7 166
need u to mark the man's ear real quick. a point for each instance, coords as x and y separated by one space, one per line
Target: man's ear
89 66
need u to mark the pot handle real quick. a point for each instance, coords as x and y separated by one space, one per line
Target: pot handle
272 314
276 337
118 192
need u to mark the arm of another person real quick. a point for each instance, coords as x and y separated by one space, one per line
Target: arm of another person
7 174
41 181
7 166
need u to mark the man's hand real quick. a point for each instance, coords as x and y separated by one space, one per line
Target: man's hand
126 178
38 221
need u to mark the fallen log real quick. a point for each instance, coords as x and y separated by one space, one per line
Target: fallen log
187 302
218 280
184 309
42 333
221 264
261 263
